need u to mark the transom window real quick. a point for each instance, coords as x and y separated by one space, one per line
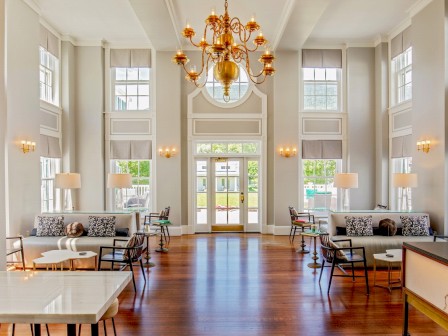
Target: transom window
227 148
237 90
321 89
402 72
47 76
131 89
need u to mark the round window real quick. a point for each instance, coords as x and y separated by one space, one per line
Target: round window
237 90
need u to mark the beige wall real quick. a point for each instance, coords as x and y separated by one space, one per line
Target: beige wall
285 120
22 117
381 124
429 111
3 115
361 121
89 144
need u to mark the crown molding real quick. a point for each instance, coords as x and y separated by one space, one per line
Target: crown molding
360 44
33 5
286 14
380 39
174 20
415 9
399 28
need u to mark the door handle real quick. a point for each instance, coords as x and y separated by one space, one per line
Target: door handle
242 197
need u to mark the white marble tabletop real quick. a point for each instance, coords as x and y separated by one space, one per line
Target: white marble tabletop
58 297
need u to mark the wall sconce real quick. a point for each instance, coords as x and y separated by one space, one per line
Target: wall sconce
424 145
27 146
287 152
167 152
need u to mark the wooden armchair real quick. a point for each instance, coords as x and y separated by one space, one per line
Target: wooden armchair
125 255
337 256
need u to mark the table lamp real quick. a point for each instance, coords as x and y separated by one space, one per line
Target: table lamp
346 181
404 181
119 181
68 181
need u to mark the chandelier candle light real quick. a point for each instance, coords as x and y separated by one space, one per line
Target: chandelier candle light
222 49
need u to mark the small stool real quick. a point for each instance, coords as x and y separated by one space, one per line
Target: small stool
109 314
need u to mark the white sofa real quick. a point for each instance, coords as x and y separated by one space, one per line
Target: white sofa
33 246
376 243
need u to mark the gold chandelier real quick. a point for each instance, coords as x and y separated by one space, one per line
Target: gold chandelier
224 52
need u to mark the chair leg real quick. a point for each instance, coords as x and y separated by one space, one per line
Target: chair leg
367 276
113 325
353 272
331 275
48 331
322 269
143 270
290 232
32 330
104 326
168 232
99 264
79 329
23 260
14 329
133 278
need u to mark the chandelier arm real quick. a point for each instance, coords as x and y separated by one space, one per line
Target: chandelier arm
191 41
238 28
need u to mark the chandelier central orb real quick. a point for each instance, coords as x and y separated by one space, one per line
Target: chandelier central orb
225 46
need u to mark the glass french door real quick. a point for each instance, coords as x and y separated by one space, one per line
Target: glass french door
227 195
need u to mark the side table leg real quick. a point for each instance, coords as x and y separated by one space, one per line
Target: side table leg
161 248
315 257
302 245
148 254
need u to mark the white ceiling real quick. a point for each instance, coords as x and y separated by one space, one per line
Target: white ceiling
287 24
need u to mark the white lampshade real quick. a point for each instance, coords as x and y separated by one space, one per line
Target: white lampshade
404 180
119 180
346 180
68 181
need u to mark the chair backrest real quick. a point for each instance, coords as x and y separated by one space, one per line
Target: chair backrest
296 215
327 253
136 244
165 213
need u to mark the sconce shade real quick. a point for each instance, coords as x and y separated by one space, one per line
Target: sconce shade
346 180
68 181
405 180
119 180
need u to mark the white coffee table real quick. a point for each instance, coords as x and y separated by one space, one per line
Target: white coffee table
396 258
54 258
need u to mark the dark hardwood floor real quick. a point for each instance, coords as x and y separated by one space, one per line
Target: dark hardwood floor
251 284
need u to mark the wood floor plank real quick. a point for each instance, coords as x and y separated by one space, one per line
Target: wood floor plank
251 284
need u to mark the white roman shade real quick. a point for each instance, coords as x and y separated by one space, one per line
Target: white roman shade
49 147
401 147
130 58
400 43
130 150
49 41
322 149
321 58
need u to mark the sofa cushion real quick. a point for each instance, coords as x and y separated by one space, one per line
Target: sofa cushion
359 226
50 226
101 226
387 227
415 225
74 230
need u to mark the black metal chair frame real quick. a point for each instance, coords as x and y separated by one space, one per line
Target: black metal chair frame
441 237
117 257
154 216
336 262
16 250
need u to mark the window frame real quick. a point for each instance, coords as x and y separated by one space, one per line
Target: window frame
130 82
50 196
338 82
401 66
214 83
335 196
49 70
114 168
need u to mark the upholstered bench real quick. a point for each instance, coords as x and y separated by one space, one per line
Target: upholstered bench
125 226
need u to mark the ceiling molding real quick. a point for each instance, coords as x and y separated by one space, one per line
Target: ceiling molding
380 39
284 19
360 45
399 28
414 10
33 5
174 20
